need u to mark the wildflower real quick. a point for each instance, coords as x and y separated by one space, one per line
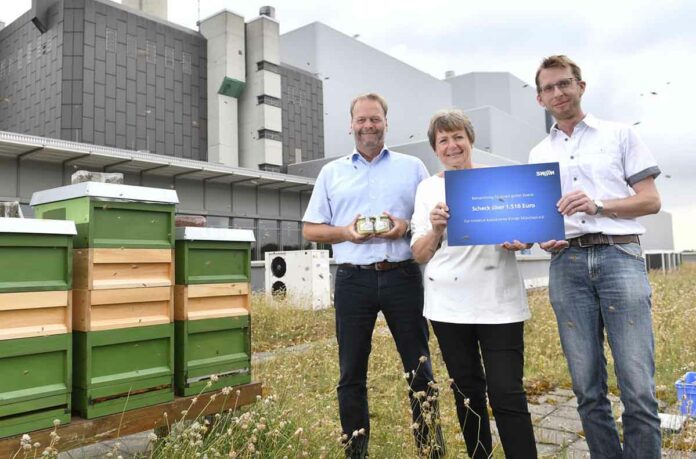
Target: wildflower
415 426
355 433
407 375
213 397
466 402
152 437
361 431
184 412
214 378
56 422
423 359
37 445
25 438
232 454
226 390
194 400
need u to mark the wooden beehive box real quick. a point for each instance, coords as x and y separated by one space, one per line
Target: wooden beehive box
212 273
98 269
122 369
112 216
35 323
35 277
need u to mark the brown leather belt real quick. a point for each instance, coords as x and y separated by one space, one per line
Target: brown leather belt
588 240
379 266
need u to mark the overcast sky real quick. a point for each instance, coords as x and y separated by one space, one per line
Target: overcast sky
627 51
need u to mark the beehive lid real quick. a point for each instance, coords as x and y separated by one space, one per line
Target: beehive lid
105 191
191 233
37 226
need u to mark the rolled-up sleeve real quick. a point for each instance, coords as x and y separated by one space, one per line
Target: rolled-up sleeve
639 163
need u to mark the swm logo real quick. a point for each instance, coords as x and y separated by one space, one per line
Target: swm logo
545 173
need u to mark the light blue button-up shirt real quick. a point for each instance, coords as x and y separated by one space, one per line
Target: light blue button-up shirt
351 185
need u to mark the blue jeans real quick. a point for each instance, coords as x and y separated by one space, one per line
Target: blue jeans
598 288
359 296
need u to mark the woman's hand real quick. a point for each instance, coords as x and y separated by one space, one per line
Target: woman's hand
438 218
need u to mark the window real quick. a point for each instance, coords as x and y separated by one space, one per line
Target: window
29 53
150 52
268 237
268 100
271 135
2 69
247 223
186 63
110 40
20 58
168 57
290 235
131 46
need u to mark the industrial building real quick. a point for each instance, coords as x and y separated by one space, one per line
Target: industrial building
235 116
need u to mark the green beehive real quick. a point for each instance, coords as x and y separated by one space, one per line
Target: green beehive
35 323
109 215
212 255
123 369
35 383
220 347
211 309
35 255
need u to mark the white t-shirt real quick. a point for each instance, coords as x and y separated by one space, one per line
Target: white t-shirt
471 284
604 159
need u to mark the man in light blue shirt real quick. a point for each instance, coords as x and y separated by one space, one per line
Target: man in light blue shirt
376 272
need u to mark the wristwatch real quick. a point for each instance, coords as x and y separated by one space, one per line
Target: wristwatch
600 206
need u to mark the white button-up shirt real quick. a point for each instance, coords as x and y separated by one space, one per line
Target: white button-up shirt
604 159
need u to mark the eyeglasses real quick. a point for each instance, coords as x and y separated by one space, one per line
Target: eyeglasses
562 85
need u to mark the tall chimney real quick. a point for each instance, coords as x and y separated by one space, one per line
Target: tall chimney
449 74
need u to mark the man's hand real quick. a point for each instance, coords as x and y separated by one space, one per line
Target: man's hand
515 245
399 228
350 233
576 201
554 245
438 218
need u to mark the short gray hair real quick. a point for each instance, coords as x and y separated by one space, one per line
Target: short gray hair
449 121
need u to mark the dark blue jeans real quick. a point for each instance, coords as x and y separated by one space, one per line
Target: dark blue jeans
359 296
604 289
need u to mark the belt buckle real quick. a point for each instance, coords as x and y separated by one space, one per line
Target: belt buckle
382 266
583 245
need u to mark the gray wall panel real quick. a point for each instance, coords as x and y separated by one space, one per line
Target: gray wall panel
244 200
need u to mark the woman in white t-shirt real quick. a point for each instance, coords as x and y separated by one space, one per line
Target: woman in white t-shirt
476 302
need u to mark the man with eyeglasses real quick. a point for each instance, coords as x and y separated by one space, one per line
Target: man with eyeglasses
598 282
